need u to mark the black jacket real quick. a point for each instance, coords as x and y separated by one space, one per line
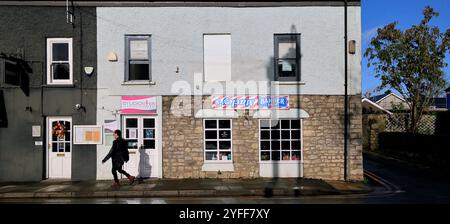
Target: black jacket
119 145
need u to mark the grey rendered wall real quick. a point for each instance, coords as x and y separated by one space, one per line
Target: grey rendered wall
177 40
26 28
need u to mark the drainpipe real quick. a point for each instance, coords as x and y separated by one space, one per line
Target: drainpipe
345 94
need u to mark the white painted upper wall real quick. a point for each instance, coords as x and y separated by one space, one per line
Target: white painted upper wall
177 41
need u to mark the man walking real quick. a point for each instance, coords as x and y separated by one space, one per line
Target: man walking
116 153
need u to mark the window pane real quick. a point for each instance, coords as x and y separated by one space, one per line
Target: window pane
60 71
67 135
211 145
149 123
275 145
265 155
285 124
225 134
265 145
149 144
265 134
285 134
54 147
211 155
149 133
295 124
285 145
285 155
295 145
132 144
275 124
275 134
225 156
287 48
296 155
224 124
210 134
67 125
67 149
265 124
287 68
131 123
224 145
139 72
210 124
131 133
60 52
295 134
61 147
139 49
276 155
11 74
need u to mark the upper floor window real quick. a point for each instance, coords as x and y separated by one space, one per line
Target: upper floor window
287 57
217 57
59 61
137 59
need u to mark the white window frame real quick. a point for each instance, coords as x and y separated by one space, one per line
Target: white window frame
217 139
281 150
50 42
128 39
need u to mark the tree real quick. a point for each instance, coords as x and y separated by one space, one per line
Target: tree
411 62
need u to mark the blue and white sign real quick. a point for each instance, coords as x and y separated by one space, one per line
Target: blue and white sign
250 102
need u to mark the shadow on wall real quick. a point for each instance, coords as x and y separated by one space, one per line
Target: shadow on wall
145 168
286 62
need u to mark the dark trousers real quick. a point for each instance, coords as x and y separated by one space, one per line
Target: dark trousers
114 169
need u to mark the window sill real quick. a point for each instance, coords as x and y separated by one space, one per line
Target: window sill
138 83
281 162
288 83
216 166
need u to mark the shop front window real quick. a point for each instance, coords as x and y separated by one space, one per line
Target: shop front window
217 140
280 140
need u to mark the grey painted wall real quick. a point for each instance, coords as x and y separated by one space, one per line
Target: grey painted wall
26 29
177 40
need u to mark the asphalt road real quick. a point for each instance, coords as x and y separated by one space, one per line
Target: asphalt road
406 185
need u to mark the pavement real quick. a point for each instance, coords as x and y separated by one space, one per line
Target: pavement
265 187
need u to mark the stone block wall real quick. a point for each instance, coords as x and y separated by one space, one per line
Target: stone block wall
323 139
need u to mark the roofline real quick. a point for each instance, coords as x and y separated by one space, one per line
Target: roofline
182 4
376 105
401 98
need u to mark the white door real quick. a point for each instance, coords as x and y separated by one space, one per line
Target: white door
140 132
59 147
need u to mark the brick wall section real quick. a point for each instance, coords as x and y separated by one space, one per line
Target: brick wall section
323 139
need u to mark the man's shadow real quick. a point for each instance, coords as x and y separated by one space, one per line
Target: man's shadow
145 168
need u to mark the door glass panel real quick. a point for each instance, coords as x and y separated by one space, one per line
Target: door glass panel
149 123
131 123
132 144
149 144
54 147
67 149
60 147
149 133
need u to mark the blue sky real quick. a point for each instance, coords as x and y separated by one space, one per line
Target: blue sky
378 13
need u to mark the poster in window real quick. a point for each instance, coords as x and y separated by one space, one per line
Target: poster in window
88 134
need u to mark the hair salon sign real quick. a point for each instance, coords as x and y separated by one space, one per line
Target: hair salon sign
250 102
138 105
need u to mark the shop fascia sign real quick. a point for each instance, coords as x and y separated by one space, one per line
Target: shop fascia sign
250 102
138 105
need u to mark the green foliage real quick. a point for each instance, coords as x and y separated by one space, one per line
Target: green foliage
411 62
